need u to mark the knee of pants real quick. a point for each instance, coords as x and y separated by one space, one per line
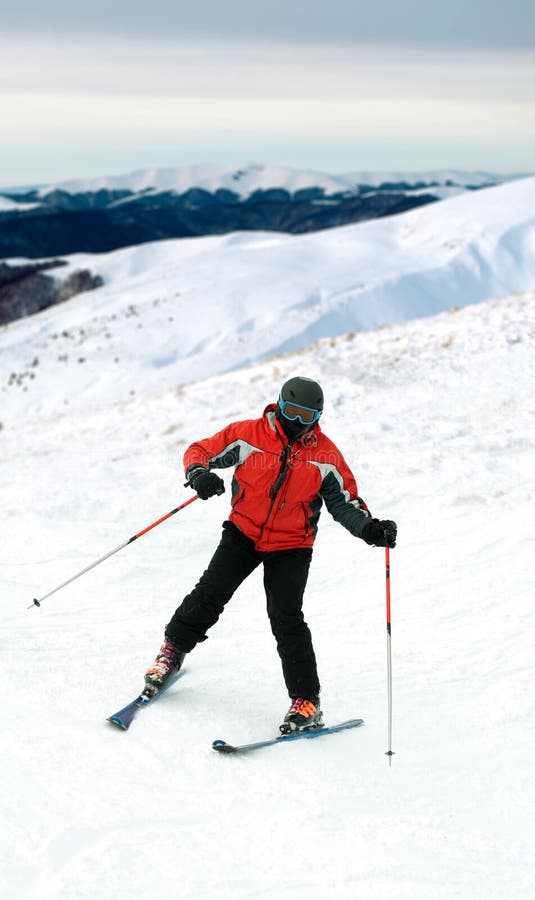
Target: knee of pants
285 625
208 604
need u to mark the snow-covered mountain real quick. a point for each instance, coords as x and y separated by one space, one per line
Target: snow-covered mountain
99 398
247 179
176 311
101 214
436 417
7 205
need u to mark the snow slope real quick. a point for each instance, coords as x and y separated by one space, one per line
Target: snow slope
9 205
175 311
246 179
436 416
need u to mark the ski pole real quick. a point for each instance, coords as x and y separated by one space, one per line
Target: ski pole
389 752
116 550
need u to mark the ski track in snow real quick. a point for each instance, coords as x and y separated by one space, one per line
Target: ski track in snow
437 419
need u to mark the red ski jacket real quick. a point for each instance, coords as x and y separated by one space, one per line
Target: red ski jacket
279 486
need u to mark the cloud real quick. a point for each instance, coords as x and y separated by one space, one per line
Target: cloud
466 23
260 70
154 100
47 114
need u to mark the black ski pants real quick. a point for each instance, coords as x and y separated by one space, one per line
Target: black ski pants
285 577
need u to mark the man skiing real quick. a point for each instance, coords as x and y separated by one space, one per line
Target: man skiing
285 468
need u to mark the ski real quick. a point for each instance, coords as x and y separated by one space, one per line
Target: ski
223 747
125 716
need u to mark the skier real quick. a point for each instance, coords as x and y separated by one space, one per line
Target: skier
284 469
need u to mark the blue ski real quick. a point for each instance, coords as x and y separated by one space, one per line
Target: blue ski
223 747
126 715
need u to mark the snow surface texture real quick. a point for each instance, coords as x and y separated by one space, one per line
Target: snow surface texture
176 311
436 416
249 178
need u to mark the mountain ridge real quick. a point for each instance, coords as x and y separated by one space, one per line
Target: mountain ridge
101 214
171 312
244 180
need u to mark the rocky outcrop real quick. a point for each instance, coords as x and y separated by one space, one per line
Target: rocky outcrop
27 289
77 282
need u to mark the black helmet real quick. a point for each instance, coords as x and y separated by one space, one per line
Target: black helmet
303 392
300 405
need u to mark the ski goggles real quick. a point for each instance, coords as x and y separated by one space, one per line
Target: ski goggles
292 411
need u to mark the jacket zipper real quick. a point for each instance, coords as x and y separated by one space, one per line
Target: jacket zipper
277 484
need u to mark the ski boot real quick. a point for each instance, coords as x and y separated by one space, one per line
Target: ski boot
302 716
164 667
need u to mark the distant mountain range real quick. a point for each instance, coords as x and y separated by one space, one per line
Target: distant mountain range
172 312
100 214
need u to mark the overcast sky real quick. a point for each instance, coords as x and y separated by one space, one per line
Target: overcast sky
340 85
457 22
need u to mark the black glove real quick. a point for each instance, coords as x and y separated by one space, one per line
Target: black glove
204 482
380 533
